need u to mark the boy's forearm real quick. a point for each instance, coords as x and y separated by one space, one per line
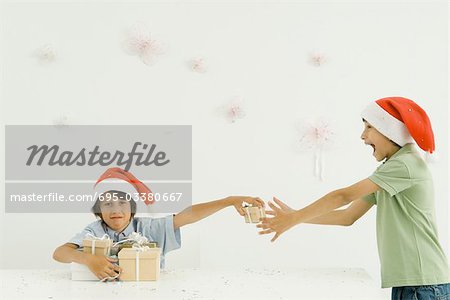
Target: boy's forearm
324 205
203 210
335 217
66 254
200 211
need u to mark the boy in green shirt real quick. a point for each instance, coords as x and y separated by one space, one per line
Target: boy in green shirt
413 262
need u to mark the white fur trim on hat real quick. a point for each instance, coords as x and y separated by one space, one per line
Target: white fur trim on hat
116 185
386 124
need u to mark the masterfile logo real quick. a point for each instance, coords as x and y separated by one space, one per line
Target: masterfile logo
54 169
85 157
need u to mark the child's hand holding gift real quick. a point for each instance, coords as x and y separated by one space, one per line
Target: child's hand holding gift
239 201
102 266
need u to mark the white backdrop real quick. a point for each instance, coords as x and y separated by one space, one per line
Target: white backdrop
256 51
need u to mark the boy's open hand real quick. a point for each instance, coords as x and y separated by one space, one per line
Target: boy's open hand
102 266
284 218
281 206
238 201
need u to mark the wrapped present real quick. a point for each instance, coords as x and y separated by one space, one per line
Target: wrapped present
95 245
136 239
254 214
81 272
115 249
130 244
139 263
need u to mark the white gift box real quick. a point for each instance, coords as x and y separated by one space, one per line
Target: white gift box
81 272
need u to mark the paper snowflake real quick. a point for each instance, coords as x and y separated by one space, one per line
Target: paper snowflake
317 59
234 110
139 42
198 65
316 136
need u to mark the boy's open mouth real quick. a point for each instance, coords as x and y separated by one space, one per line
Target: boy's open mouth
373 146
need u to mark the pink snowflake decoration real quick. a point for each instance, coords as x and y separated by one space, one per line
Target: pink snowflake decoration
198 65
141 43
317 59
233 111
317 136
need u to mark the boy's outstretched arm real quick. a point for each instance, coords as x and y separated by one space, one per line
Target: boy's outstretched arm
343 217
199 211
338 198
340 217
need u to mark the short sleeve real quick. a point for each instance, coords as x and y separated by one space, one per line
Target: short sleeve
393 177
370 198
163 232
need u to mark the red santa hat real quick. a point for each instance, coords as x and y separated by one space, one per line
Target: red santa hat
118 179
402 121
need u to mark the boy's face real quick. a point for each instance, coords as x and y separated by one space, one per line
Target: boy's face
116 213
382 146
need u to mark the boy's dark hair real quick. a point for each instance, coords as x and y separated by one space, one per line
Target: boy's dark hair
116 195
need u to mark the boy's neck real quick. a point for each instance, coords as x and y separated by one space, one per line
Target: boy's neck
394 150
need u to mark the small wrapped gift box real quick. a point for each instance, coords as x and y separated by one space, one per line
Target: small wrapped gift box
253 214
115 249
139 264
97 246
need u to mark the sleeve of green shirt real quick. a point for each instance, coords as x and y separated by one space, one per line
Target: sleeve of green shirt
393 177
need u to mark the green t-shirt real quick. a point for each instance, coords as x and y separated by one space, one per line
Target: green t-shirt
408 245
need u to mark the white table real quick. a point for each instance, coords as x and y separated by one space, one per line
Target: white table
330 284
